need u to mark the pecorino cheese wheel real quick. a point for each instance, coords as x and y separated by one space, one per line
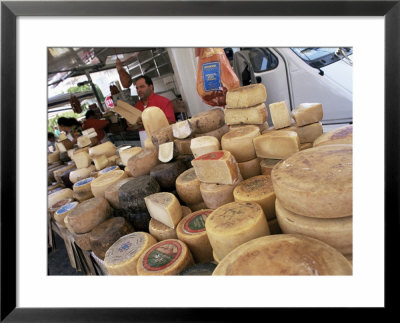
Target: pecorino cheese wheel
284 254
106 233
192 231
307 134
139 221
342 135
239 142
164 207
167 257
166 174
160 231
131 194
233 224
63 211
79 174
250 168
316 182
111 192
204 145
215 195
122 257
208 120
246 96
62 194
257 114
102 182
82 189
277 144
108 149
280 115
143 162
336 232
267 164
198 206
82 240
88 214
307 113
188 187
59 204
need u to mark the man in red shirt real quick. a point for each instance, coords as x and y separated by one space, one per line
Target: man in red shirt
98 125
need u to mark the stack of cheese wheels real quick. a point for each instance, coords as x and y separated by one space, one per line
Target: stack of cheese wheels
167 257
284 254
122 257
314 194
342 135
191 230
233 224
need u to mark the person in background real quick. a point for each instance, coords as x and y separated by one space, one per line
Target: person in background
57 131
145 90
51 142
71 127
98 125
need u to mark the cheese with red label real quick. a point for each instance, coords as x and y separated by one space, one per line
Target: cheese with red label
277 144
246 96
239 142
254 115
307 113
280 115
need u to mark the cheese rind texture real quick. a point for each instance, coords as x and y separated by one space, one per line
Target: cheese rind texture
246 96
277 144
316 182
100 162
153 119
102 182
83 189
143 162
307 113
250 168
284 254
217 133
342 135
111 192
307 134
188 187
108 149
280 115
164 207
267 164
336 232
183 146
239 142
167 173
160 231
204 145
233 224
63 211
207 121
128 153
162 136
215 195
254 115
82 159
59 195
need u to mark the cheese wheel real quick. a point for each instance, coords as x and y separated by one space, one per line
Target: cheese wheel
82 240
217 133
53 198
277 144
207 121
122 257
162 136
239 142
108 149
198 206
63 211
266 165
316 182
108 169
246 96
219 167
100 162
342 135
183 146
106 233
182 129
140 221
204 145
258 189
336 232
128 153
164 207
188 187
166 174
88 214
250 168
257 114
167 152
83 190
53 157
60 171
143 162
59 204
160 231
167 257
284 254
280 115
307 113
131 194
100 184
79 174
306 145
233 224
203 269
69 228
185 210
307 134
153 119
192 231
83 141
111 192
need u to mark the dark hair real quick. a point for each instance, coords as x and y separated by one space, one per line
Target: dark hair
146 78
90 113
50 135
68 122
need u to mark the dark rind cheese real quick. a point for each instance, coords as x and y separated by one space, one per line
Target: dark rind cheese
205 269
166 174
140 221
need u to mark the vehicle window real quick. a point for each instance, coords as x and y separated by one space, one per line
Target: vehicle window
318 57
262 59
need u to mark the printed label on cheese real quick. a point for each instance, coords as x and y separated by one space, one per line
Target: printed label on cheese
108 169
196 222
66 208
162 255
84 181
125 248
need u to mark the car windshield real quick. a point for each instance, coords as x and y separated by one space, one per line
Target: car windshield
321 56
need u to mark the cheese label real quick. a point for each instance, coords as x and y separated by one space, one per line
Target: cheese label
211 156
66 207
211 76
108 169
196 222
84 181
162 255
126 248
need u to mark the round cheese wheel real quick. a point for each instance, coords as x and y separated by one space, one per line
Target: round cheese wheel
246 96
167 257
102 182
342 135
160 231
336 232
57 205
63 211
239 142
106 233
79 174
185 210
250 168
198 206
111 192
192 231
207 121
108 149
88 214
82 189
233 224
183 146
257 189
188 187
122 257
153 119
131 194
217 133
82 239
65 193
284 254
108 169
267 164
143 162
166 174
316 182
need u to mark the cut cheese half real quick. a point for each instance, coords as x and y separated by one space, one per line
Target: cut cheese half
277 144
128 153
239 142
164 207
307 113
246 96
100 162
182 129
204 145
254 115
280 115
167 152
53 198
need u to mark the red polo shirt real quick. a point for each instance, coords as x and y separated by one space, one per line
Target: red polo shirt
155 100
98 125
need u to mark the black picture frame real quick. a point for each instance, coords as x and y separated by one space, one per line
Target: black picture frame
10 10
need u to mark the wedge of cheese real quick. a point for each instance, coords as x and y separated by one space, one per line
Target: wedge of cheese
280 115
165 208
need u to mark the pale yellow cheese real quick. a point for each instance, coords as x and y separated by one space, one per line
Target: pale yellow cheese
341 135
267 164
112 160
188 187
79 174
307 134
204 145
108 149
142 163
277 144
59 195
182 129
233 224
166 152
280 115
215 195
250 168
100 162
153 119
83 141
254 115
128 153
161 231
81 159
239 142
82 189
164 207
148 144
63 211
102 182
246 96
307 113
316 182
